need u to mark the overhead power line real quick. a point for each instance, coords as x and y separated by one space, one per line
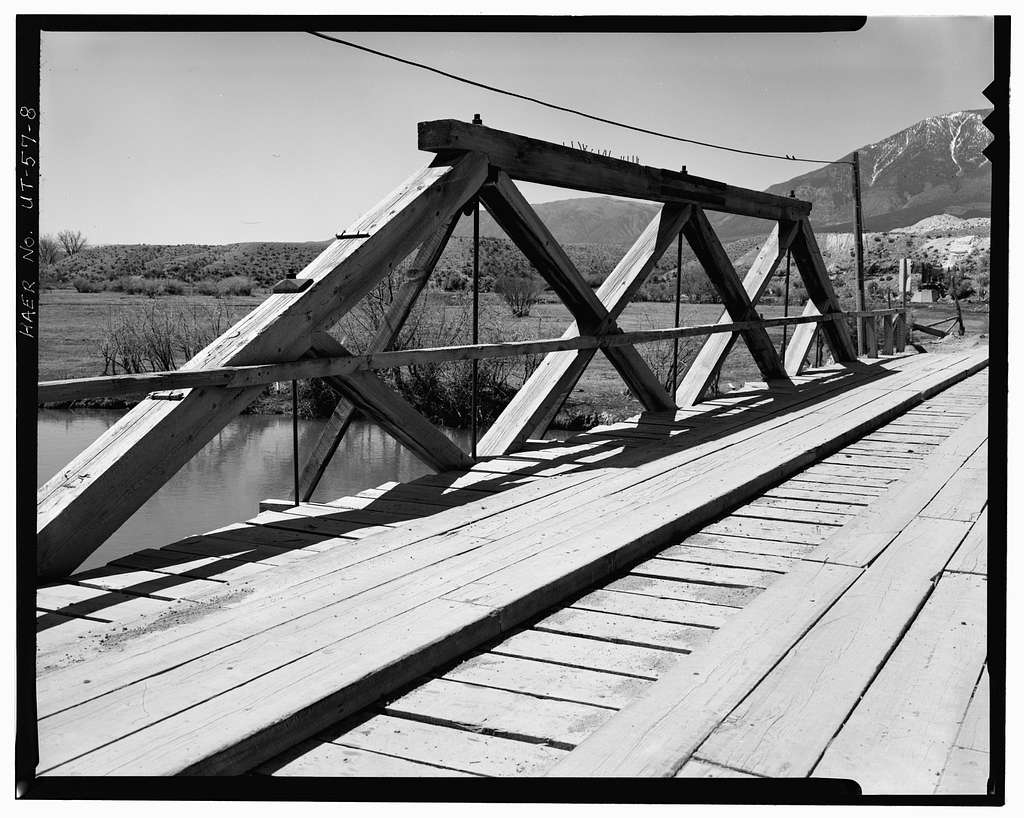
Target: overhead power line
637 128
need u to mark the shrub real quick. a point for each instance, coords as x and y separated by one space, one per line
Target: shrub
520 292
86 285
207 286
235 285
175 286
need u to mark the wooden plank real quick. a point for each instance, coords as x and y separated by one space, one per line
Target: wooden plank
786 721
963 497
650 607
839 508
658 733
534 160
328 760
448 747
722 274
715 349
577 651
888 335
627 630
860 541
177 564
898 737
500 712
966 773
790 514
89 499
685 591
697 768
794 532
393 413
548 680
79 600
719 556
847 458
972 555
870 330
975 730
387 333
710 574
535 405
825 492
148 583
748 545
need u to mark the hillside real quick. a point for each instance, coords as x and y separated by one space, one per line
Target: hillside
933 167
586 220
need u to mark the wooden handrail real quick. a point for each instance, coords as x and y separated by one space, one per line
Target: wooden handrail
235 377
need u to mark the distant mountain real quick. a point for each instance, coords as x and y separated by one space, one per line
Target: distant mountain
588 220
933 167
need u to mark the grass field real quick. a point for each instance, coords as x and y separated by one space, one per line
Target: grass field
73 326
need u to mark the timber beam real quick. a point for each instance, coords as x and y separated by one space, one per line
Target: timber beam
716 348
534 160
522 224
387 334
84 503
722 274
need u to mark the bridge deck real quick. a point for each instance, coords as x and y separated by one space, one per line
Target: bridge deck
224 650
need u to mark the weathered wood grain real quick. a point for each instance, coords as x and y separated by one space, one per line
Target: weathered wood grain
787 720
898 737
658 733
534 160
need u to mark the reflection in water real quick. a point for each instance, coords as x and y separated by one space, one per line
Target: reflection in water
248 461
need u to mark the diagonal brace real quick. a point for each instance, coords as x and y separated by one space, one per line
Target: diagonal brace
716 263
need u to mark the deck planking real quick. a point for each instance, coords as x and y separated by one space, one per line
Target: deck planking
578 636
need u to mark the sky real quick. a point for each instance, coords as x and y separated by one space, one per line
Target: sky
202 137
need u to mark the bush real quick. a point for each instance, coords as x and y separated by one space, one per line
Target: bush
158 338
86 285
520 292
207 286
175 286
235 285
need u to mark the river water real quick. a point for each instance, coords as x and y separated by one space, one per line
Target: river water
248 461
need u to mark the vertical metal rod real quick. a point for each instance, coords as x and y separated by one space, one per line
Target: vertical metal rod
295 438
476 307
679 286
858 235
785 307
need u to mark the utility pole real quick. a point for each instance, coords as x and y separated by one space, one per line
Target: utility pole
858 236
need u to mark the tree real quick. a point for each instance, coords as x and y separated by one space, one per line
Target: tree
72 241
49 250
519 291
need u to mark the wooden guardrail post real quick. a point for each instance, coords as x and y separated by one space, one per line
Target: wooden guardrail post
901 331
870 325
887 333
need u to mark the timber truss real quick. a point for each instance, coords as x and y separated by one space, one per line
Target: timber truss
88 500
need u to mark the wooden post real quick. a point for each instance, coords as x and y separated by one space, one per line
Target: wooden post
859 245
901 331
870 335
888 338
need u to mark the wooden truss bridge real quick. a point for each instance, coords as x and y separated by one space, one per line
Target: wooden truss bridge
761 584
